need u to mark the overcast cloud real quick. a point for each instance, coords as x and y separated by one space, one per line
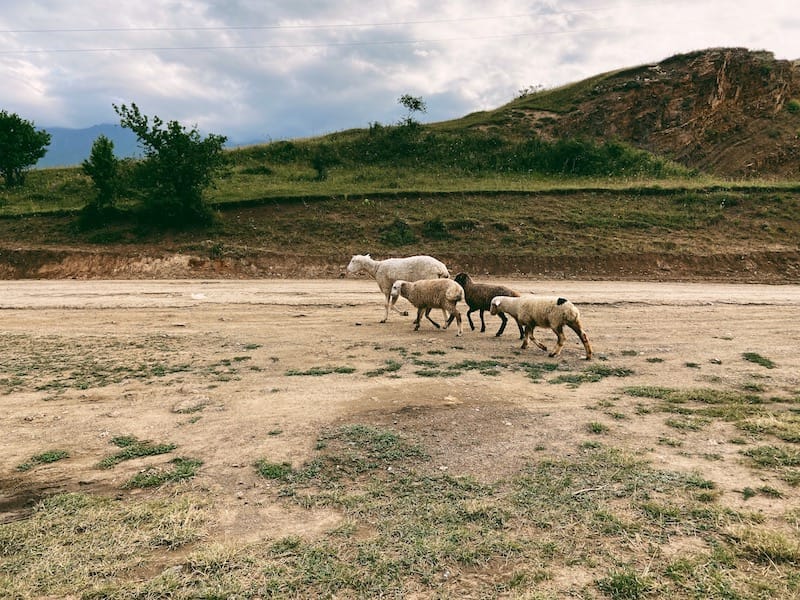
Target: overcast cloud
256 70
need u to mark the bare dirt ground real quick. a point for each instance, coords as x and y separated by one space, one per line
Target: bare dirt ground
223 392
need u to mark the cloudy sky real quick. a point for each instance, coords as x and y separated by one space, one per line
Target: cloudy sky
256 70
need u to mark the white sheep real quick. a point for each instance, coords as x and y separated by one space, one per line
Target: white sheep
428 294
386 272
544 311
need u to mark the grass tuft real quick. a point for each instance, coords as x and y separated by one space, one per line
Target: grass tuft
317 371
755 357
44 458
133 448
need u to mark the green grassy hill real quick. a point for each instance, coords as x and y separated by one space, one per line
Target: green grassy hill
528 189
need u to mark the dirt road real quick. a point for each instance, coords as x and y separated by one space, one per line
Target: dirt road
235 371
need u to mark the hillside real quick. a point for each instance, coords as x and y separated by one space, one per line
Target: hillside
730 112
494 193
662 235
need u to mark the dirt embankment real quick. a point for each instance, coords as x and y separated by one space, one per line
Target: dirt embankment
156 263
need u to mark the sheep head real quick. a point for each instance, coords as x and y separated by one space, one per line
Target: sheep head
357 263
462 279
397 290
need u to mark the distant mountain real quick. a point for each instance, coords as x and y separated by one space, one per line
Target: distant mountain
70 147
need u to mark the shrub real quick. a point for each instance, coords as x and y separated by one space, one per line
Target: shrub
398 233
177 168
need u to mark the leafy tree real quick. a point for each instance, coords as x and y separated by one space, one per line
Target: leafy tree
177 167
413 105
103 167
21 146
322 159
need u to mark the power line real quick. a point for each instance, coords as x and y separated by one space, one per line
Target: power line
307 26
301 45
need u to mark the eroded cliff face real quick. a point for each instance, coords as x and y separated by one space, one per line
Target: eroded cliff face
726 111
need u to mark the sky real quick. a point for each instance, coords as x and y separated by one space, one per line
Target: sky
258 70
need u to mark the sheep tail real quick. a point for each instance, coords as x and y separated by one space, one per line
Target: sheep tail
454 294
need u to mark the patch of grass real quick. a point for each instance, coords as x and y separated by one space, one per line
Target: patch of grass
765 546
755 357
687 423
537 371
75 545
272 470
182 468
597 428
592 374
485 367
437 373
625 584
41 363
658 393
44 458
318 371
774 456
133 448
781 424
390 366
672 442
409 528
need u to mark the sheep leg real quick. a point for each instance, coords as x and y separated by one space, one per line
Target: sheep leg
392 305
504 320
418 319
483 324
578 329
428 316
525 338
559 331
529 334
521 329
458 320
469 318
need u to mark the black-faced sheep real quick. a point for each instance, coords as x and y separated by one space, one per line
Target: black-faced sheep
386 272
544 311
429 294
478 296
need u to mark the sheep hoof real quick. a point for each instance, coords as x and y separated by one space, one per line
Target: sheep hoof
405 313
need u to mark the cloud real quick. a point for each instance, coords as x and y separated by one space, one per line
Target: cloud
256 70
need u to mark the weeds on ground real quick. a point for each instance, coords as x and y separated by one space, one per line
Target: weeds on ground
41 363
408 527
182 468
318 371
44 458
133 448
75 544
755 357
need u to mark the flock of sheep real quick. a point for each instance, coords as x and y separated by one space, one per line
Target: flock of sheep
425 282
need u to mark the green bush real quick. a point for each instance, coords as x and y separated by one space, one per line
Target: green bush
398 233
177 167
